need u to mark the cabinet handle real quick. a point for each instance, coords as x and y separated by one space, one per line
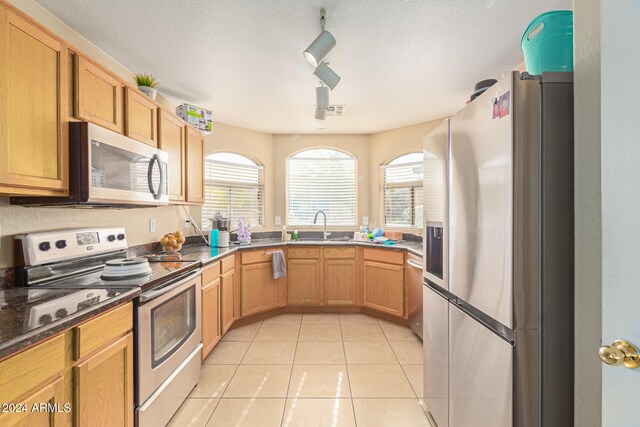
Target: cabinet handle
414 264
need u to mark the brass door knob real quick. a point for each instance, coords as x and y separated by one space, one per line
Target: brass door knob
621 352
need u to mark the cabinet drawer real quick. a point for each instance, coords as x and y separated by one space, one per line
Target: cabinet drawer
340 252
228 264
258 256
101 330
210 273
304 253
31 368
383 255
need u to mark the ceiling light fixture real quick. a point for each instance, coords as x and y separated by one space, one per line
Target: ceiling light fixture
322 45
327 75
322 97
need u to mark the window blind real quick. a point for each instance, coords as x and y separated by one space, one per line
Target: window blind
402 191
233 188
321 179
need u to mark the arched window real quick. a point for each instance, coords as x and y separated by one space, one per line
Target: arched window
233 184
402 191
321 179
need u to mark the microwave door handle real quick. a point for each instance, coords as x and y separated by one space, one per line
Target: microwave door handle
155 159
162 177
150 176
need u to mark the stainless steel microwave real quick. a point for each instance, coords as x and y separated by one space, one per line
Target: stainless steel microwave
108 169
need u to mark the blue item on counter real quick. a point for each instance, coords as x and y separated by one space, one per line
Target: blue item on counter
378 232
547 43
214 237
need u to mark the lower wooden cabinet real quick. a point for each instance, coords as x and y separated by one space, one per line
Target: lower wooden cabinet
51 395
103 386
228 283
340 281
383 287
304 281
211 330
259 290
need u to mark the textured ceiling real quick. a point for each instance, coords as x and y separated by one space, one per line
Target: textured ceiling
401 62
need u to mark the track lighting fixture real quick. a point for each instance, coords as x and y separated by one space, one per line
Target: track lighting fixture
321 114
322 97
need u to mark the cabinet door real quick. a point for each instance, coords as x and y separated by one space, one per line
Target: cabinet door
340 278
195 166
141 118
34 116
383 287
98 96
259 290
303 281
103 386
228 280
51 394
210 317
171 138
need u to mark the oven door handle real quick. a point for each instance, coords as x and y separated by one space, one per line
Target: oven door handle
167 287
155 159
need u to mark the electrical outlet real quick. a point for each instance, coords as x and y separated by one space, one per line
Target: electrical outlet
186 222
278 221
365 220
152 225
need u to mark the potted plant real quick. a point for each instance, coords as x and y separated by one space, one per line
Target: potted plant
147 83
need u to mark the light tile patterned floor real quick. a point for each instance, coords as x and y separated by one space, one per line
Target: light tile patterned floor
324 370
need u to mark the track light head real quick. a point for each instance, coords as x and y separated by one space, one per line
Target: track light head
322 97
321 114
327 75
320 48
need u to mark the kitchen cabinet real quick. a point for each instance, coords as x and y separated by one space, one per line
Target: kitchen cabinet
103 386
228 284
304 276
34 109
195 166
98 95
304 281
258 289
34 376
383 287
211 331
171 138
340 281
141 117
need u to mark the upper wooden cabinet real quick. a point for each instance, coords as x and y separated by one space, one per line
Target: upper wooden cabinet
171 138
141 117
195 166
98 95
34 116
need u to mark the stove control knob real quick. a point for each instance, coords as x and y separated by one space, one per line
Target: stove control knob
61 244
61 312
111 238
120 236
45 318
44 246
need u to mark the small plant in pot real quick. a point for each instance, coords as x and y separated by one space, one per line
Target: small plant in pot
147 83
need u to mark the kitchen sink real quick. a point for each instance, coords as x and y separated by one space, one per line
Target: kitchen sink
320 239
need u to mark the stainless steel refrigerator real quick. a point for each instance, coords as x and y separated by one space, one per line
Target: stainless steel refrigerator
498 288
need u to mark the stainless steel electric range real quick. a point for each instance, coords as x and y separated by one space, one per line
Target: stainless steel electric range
92 262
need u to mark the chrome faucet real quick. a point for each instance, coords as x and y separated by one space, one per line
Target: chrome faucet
325 235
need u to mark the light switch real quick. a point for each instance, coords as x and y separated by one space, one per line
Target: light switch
152 225
365 220
278 221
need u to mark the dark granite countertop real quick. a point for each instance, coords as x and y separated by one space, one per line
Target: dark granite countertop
206 255
19 324
18 331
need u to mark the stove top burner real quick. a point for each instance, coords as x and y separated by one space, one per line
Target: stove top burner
126 268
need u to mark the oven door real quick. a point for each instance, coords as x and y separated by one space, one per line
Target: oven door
123 170
169 329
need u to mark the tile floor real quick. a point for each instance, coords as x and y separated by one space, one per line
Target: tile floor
312 370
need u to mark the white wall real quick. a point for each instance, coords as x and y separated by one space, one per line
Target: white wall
588 236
